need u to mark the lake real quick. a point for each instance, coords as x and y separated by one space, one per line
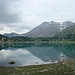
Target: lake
35 54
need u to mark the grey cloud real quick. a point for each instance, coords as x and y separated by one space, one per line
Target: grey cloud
1 28
5 15
19 26
11 15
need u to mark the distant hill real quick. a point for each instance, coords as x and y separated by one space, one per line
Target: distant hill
48 29
68 33
11 34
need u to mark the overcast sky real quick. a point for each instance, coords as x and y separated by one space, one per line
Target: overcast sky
20 16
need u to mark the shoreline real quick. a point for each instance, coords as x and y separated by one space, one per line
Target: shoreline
39 42
60 68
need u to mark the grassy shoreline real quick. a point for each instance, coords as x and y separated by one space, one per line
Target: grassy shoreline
60 68
39 42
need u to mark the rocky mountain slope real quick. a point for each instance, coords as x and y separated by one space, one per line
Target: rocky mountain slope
68 33
48 29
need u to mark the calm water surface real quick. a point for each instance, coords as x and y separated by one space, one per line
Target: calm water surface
29 54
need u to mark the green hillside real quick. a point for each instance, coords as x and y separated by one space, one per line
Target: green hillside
68 33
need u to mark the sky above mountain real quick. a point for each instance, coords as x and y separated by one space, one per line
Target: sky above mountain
20 16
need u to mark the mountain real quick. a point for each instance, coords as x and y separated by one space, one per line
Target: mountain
66 24
48 29
68 33
11 34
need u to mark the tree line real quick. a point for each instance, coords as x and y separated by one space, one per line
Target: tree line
38 39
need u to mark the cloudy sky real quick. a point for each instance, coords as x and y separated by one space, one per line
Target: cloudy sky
20 16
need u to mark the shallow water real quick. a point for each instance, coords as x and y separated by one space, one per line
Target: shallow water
34 54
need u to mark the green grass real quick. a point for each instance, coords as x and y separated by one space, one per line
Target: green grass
60 68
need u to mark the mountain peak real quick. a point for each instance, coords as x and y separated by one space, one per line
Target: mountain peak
48 29
52 22
45 29
11 34
70 22
44 23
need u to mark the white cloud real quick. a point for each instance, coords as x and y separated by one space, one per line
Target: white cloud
16 29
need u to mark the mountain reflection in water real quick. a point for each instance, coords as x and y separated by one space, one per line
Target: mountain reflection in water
29 54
